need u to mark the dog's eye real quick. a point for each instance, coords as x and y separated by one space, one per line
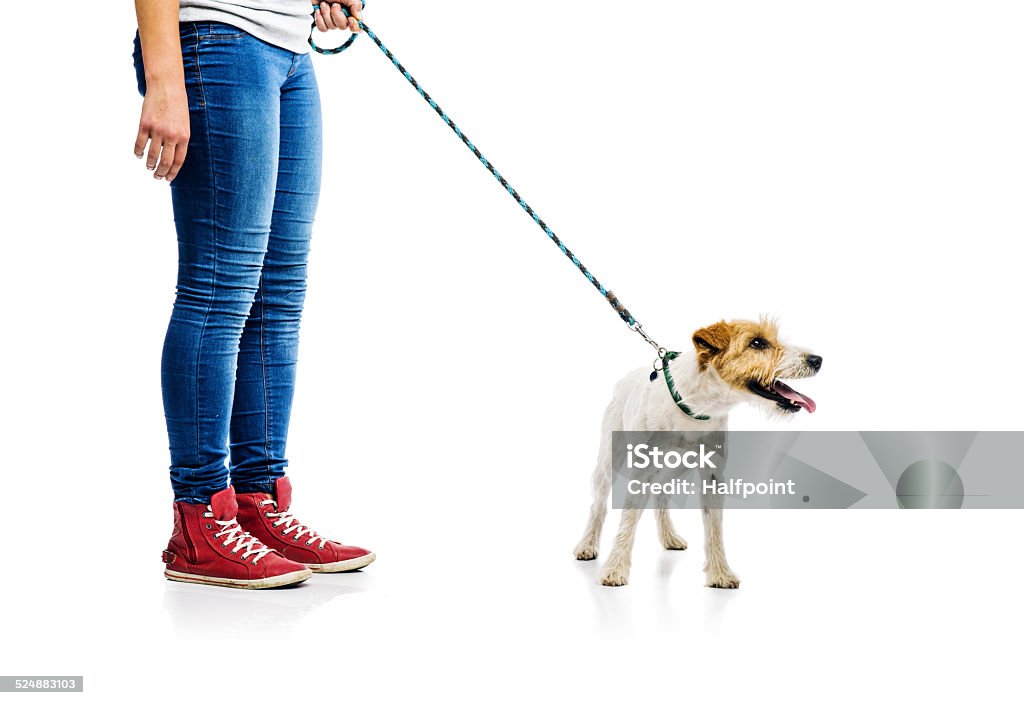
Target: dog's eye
759 344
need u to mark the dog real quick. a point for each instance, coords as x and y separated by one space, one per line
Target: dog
731 363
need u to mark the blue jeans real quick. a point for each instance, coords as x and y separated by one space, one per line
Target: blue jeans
244 204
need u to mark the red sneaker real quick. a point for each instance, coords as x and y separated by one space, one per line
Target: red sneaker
267 517
208 546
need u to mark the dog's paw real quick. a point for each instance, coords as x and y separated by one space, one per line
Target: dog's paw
726 579
585 552
674 543
614 576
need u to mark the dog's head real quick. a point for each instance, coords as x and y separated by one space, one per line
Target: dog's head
749 357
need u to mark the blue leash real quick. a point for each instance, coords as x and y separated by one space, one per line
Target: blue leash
624 314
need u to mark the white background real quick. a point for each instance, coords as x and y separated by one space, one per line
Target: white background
854 169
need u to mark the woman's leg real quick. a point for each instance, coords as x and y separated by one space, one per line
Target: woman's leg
223 205
267 357
266 363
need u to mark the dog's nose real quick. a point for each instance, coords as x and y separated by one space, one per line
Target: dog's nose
814 362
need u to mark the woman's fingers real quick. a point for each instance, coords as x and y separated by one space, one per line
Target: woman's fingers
338 17
355 10
169 157
172 156
153 157
331 15
165 157
163 167
140 142
318 17
179 158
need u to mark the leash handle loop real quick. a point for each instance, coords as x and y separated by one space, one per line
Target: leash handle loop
335 50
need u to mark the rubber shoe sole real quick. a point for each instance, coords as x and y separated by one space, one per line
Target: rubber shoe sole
343 566
293 578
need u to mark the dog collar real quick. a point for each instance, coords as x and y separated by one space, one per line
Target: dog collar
676 396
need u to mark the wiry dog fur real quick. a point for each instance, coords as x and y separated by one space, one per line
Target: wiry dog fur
732 362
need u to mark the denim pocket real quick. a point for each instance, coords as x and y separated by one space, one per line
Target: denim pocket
219 32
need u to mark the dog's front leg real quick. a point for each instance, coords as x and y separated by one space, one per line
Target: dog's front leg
716 568
616 569
666 532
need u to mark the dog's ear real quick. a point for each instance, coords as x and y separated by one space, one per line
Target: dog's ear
711 340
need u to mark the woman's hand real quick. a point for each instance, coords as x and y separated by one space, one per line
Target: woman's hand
165 126
329 15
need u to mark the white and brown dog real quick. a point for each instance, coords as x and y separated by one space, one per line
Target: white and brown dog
732 362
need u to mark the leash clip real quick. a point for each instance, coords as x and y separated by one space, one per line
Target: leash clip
637 327
660 361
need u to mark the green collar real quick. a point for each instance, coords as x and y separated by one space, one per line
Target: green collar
669 356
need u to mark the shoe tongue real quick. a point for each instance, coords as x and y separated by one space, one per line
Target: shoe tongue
224 505
283 494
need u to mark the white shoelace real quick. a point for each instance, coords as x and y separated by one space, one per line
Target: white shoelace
241 538
291 524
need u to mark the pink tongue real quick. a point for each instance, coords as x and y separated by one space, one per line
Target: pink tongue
796 397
